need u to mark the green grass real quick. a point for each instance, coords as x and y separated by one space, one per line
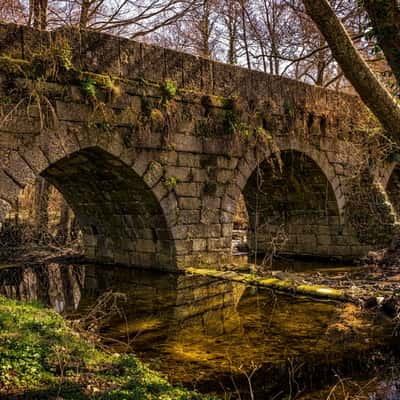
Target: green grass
41 356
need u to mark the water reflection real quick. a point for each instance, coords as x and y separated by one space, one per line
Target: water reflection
204 332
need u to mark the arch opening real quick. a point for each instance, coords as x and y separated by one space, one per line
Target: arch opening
120 217
292 209
40 216
393 189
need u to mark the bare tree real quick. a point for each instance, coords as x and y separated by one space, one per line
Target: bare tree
13 11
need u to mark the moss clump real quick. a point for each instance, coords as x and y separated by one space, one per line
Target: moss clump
157 117
169 91
88 87
64 54
171 182
43 357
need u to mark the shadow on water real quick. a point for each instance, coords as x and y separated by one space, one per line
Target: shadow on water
216 336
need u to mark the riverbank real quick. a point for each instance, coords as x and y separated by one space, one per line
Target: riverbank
372 282
43 357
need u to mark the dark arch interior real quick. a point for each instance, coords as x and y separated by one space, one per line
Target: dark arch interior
393 189
120 217
292 208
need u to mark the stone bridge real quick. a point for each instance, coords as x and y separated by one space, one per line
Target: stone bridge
153 148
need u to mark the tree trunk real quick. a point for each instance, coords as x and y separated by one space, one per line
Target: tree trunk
84 17
62 227
74 230
245 41
43 14
38 13
371 91
42 195
385 18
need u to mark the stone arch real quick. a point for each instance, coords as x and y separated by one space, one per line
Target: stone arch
121 213
325 236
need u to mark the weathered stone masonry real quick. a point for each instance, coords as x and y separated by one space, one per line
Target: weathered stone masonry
152 149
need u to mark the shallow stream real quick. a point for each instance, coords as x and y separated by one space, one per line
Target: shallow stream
218 336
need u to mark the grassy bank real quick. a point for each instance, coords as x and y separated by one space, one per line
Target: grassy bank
41 356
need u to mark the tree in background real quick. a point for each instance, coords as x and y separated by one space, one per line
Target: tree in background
13 11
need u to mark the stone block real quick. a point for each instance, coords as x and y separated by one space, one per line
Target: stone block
153 174
226 217
18 121
153 65
194 144
173 61
209 202
224 176
160 190
17 168
209 216
145 246
189 160
192 72
183 246
130 58
186 126
227 230
182 174
307 239
73 112
9 190
100 53
169 157
218 244
227 162
180 231
324 240
229 205
204 230
217 146
188 189
199 175
189 203
224 78
187 217
199 244
68 140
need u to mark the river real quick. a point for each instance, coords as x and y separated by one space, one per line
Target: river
217 336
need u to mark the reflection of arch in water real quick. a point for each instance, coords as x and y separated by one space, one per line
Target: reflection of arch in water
121 218
154 304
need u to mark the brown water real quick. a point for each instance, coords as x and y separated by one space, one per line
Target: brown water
213 335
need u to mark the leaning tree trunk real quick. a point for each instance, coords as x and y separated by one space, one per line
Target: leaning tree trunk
356 70
385 18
